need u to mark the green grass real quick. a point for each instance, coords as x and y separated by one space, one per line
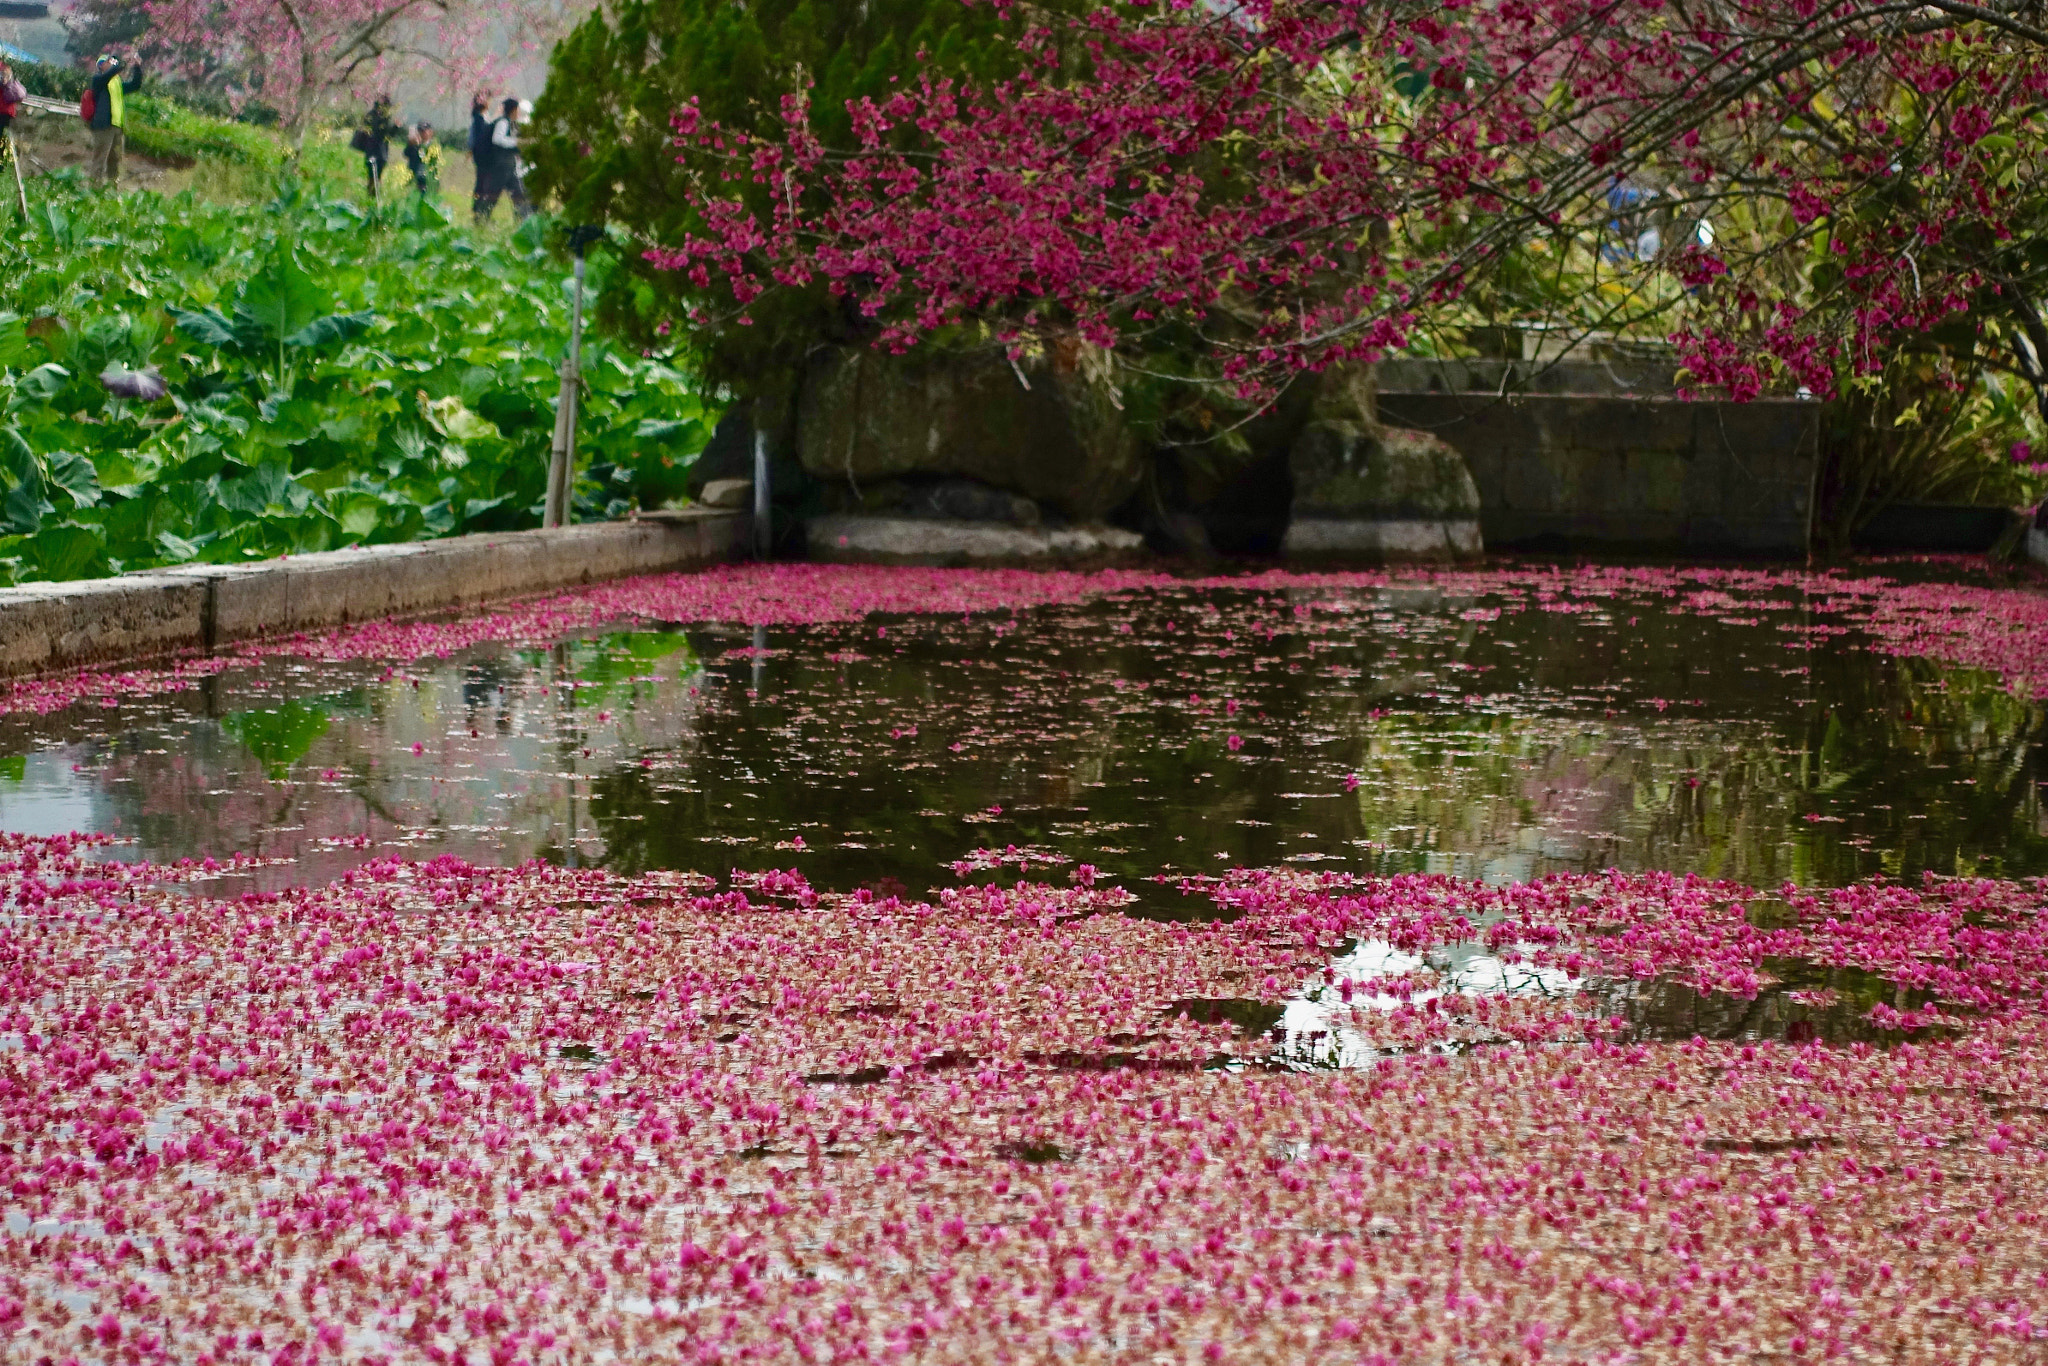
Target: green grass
164 130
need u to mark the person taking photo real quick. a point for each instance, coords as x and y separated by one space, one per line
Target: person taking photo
113 78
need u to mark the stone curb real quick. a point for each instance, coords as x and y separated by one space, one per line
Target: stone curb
46 627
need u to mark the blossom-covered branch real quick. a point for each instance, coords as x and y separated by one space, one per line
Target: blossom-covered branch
1790 191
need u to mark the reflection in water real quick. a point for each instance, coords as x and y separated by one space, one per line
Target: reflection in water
278 737
1368 730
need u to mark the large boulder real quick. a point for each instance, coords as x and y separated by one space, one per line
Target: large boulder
1366 490
1050 431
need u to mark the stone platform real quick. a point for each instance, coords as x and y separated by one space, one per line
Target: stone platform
1382 541
855 539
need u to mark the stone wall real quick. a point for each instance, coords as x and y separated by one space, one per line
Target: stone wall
1050 432
51 626
1410 375
1558 471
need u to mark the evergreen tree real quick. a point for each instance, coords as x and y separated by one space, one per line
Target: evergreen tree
602 144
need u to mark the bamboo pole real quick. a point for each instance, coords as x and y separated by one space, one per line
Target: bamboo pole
14 160
562 455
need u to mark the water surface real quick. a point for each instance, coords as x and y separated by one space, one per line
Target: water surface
1395 729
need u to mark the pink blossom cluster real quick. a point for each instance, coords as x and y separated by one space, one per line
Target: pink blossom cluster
433 1112
1303 183
2003 630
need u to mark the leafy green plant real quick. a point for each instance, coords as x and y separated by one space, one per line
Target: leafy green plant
1931 428
185 381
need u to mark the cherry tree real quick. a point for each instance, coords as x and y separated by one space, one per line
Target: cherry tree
1790 190
301 56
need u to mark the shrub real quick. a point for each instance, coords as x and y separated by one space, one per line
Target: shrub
51 82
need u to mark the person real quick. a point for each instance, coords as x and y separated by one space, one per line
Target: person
480 150
423 158
373 140
12 94
505 178
113 77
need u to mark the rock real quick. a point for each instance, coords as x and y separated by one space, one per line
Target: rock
1349 469
729 454
1202 506
866 417
1383 540
1235 496
1371 491
1177 531
855 539
727 493
955 500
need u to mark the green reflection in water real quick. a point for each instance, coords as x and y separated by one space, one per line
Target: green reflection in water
279 736
622 666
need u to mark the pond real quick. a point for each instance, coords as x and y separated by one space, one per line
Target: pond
1370 729
799 965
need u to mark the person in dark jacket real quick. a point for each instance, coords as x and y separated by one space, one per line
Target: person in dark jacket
480 150
374 141
113 78
505 178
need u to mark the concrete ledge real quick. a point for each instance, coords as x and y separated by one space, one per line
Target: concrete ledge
936 541
54 625
101 621
1382 541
